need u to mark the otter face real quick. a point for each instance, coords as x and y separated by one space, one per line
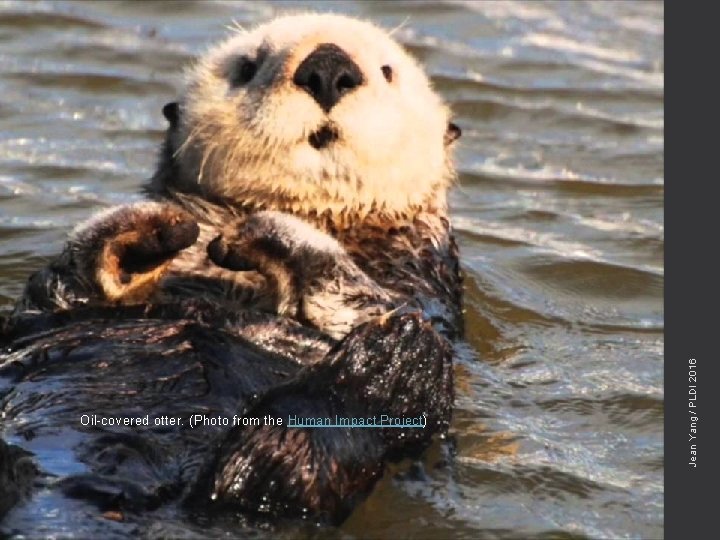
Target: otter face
313 112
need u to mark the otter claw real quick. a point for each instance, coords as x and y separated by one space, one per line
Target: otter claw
177 236
167 239
223 255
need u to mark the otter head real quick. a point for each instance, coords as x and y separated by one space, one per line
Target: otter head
309 113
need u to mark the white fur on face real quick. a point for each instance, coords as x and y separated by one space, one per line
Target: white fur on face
250 142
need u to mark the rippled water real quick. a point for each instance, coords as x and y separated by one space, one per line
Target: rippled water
559 422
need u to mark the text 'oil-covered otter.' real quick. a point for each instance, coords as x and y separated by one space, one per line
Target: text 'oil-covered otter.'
294 259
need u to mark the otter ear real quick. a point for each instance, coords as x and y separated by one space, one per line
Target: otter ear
171 112
452 133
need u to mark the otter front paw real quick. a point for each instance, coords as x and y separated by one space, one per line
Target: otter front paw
128 250
268 237
314 278
288 251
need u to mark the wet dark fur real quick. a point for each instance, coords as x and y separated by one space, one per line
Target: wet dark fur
209 339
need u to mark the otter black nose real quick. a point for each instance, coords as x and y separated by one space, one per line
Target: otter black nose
327 74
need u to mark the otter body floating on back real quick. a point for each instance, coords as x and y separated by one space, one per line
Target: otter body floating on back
294 258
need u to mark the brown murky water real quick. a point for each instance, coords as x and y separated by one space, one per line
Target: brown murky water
558 428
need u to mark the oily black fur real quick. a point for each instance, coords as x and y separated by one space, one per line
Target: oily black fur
194 355
179 356
132 365
257 468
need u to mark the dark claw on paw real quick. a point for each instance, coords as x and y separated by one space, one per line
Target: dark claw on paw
167 239
158 244
179 236
227 257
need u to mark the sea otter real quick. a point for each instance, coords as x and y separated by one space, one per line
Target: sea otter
294 258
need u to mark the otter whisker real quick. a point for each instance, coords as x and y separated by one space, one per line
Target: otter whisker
206 156
235 26
399 26
194 133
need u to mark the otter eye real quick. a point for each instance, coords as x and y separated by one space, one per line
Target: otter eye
245 72
387 73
